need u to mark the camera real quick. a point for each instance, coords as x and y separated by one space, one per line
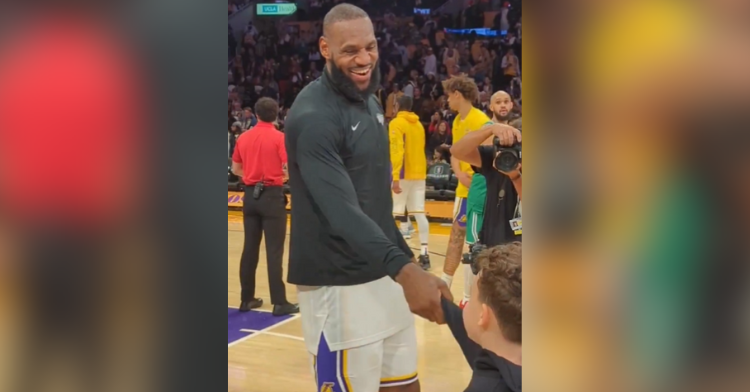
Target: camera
471 257
507 158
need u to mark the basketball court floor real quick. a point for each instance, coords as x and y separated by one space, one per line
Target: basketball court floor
267 354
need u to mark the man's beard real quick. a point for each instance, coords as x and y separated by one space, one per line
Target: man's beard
347 86
500 118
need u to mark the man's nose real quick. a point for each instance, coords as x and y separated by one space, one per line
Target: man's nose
362 58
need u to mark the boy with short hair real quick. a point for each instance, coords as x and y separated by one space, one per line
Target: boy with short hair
489 328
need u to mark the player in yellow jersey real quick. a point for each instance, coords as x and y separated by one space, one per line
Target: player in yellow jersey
409 165
462 93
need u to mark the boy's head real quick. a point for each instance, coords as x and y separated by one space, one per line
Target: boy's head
495 308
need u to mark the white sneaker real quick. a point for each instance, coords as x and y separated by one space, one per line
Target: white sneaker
406 234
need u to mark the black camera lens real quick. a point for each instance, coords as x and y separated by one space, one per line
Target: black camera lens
506 160
475 268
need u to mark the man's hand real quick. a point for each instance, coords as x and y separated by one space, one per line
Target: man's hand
506 134
396 187
423 291
464 178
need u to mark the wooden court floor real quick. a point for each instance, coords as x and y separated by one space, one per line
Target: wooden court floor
266 354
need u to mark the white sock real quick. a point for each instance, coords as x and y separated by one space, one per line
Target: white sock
424 227
468 281
404 227
424 249
447 279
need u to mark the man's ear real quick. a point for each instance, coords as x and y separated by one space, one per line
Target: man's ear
325 50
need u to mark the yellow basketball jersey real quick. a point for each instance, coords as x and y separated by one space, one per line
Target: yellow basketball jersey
475 120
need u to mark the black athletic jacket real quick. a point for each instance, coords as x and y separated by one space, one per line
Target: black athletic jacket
492 373
343 232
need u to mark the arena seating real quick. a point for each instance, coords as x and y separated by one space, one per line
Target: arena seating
441 182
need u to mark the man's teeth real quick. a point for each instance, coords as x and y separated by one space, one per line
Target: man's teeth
361 71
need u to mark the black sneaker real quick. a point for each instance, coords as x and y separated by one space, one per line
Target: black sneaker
254 304
424 262
283 310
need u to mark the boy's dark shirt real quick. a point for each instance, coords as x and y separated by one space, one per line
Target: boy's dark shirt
491 373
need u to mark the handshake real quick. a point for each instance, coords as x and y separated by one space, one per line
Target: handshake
423 292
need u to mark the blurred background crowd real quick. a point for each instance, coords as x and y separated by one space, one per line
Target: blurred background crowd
422 43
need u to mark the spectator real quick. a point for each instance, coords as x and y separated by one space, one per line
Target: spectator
248 120
430 62
435 121
230 117
411 84
440 142
236 108
391 101
313 73
431 88
504 23
510 68
268 91
234 132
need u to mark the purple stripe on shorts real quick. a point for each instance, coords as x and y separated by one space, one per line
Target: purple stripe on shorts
328 368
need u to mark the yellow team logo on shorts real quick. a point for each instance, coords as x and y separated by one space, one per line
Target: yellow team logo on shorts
327 387
462 219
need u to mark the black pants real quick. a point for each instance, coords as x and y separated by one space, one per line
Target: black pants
265 216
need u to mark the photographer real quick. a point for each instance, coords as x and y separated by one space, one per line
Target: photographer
500 164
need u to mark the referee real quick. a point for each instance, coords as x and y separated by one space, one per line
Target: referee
260 160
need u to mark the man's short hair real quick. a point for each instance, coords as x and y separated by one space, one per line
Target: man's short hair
464 85
267 109
499 286
342 13
405 103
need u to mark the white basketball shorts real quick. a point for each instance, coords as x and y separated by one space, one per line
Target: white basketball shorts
360 338
411 197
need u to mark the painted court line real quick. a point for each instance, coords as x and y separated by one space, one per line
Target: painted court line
262 331
254 310
281 335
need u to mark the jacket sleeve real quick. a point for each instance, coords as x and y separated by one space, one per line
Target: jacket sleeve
455 320
397 149
402 244
332 191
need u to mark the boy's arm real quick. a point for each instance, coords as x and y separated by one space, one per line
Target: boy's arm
454 319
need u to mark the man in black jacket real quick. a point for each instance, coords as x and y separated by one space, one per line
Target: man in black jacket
489 329
355 274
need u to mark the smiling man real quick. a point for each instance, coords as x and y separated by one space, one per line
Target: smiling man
353 270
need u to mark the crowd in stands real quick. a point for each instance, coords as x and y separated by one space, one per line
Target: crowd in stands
416 56
238 5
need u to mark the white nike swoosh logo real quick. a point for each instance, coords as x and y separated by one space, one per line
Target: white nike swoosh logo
354 127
